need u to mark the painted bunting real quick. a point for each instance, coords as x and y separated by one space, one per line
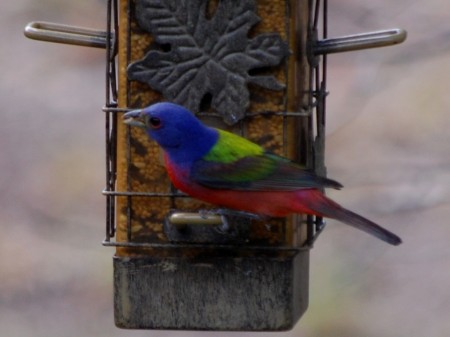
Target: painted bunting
230 171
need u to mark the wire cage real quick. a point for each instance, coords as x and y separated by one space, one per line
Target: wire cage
140 198
175 266
300 132
111 111
307 146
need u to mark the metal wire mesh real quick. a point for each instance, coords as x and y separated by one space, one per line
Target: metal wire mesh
312 116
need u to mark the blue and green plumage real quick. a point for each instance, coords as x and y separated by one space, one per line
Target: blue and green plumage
230 171
234 162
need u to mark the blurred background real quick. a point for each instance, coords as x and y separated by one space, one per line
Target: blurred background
388 143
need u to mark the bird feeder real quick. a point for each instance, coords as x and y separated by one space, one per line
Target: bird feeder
253 67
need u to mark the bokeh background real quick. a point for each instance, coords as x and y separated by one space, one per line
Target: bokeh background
388 143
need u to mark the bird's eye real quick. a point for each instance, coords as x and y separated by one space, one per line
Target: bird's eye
155 122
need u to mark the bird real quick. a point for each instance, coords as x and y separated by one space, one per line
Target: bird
230 171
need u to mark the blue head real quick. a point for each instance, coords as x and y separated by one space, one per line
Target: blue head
175 129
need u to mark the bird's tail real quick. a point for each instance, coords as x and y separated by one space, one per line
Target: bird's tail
326 207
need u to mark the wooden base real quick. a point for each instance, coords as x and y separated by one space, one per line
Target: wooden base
267 293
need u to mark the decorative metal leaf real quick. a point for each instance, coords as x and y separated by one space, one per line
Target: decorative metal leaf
206 56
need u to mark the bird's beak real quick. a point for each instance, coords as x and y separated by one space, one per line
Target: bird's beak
134 118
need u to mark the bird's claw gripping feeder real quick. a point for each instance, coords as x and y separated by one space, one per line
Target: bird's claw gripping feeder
254 67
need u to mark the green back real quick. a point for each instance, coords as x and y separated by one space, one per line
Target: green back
230 147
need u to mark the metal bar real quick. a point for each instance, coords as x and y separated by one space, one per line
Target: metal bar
190 218
319 227
115 109
375 39
143 194
214 246
110 119
58 33
303 113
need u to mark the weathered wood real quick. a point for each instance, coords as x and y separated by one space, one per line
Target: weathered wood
218 293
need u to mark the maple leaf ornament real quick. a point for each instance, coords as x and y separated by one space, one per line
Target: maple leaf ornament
206 56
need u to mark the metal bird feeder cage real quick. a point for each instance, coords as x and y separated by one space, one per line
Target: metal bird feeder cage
175 266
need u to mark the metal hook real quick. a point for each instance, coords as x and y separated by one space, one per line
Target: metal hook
58 33
375 39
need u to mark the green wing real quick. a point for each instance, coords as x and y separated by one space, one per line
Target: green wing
236 163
